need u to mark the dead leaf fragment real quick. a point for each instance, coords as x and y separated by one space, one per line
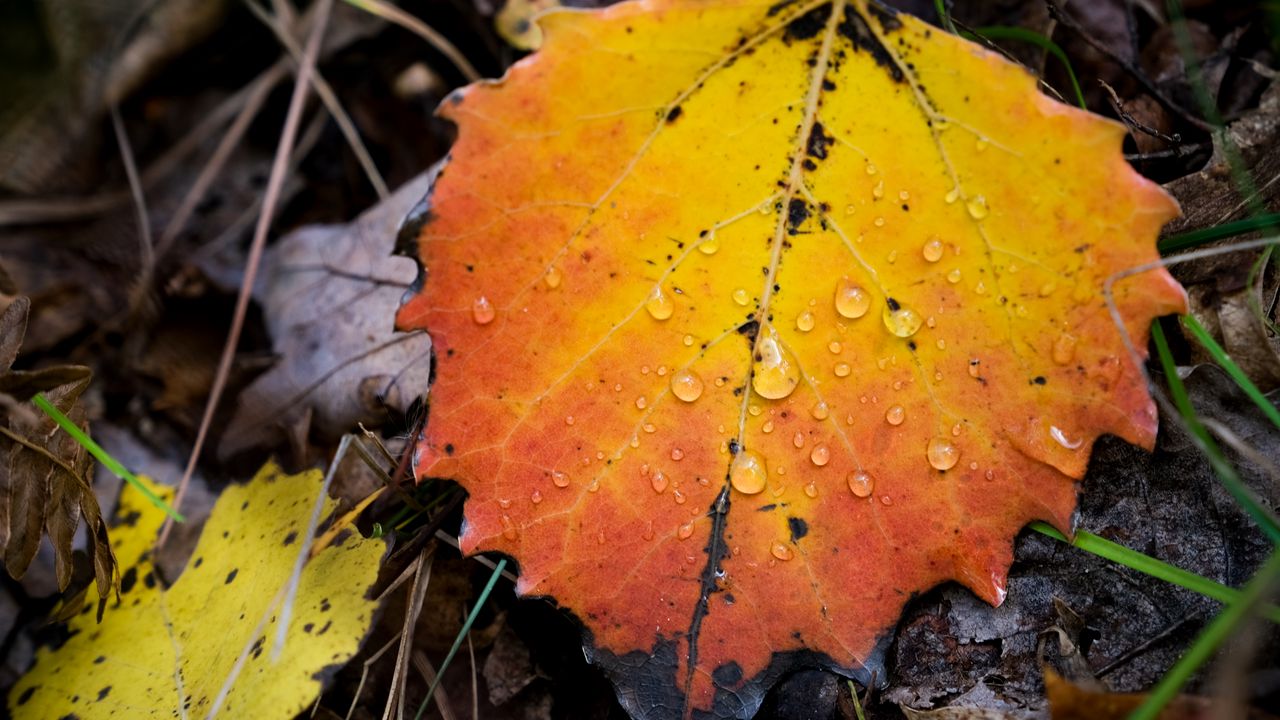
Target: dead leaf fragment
326 297
46 475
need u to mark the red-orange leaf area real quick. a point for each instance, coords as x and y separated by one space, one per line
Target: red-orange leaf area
753 320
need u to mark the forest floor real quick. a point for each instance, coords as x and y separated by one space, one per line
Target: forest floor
195 94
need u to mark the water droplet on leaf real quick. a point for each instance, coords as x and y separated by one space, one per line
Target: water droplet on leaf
942 454
686 385
861 483
482 311
776 373
659 304
747 473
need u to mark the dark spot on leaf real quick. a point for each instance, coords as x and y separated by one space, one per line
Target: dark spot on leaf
797 213
448 448
818 142
129 579
809 24
798 527
290 538
100 659
103 693
26 694
749 330
892 305
734 447
674 114
1039 380
231 576
199 561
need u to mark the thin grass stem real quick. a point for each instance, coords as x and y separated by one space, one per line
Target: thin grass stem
1148 565
1221 357
1216 633
462 634
109 462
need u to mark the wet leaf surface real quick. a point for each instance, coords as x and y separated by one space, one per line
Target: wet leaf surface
734 365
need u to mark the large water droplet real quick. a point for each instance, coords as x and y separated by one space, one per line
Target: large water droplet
659 481
932 250
659 304
559 479
953 276
776 372
781 551
747 473
685 531
553 277
535 497
903 322
895 415
820 410
977 206
861 483
820 455
851 300
686 385
804 321
709 244
1064 348
942 454
811 490
798 439
482 311
741 296
842 369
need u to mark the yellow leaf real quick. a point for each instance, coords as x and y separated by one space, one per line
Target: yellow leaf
169 653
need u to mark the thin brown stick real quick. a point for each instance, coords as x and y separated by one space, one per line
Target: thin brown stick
259 90
393 14
146 245
274 184
330 99
1132 70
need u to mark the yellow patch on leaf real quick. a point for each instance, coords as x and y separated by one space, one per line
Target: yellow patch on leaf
754 319
167 653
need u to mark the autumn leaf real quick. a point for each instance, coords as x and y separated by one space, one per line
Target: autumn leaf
46 477
753 320
207 641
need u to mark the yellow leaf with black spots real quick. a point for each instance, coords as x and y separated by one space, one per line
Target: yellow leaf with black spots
207 640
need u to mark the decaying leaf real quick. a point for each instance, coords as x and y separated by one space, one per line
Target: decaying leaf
328 294
167 652
46 476
752 320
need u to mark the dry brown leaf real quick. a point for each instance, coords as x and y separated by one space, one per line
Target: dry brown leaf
45 480
327 296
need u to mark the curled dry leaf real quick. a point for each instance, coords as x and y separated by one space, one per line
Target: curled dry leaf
326 299
207 640
752 320
46 476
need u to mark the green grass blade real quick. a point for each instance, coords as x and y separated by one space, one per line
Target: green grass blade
944 17
1006 32
1221 357
1216 633
462 635
1202 236
1148 565
103 456
1226 474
